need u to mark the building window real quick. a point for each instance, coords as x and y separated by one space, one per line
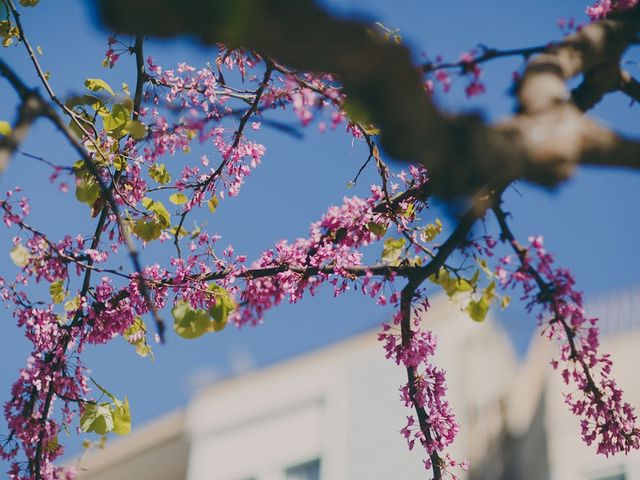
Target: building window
619 476
306 471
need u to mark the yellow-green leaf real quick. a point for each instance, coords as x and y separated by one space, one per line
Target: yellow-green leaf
392 249
121 415
159 173
97 417
87 191
136 129
5 128
19 255
162 214
505 301
117 120
178 199
223 307
189 323
431 231
147 230
97 84
478 309
378 229
57 291
72 305
213 204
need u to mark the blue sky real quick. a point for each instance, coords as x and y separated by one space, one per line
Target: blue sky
591 222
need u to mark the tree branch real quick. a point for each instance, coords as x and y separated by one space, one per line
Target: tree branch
543 143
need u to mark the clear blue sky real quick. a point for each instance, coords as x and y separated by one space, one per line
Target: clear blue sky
591 223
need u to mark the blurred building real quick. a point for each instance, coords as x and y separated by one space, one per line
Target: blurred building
335 414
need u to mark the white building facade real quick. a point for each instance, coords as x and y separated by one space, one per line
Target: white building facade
335 414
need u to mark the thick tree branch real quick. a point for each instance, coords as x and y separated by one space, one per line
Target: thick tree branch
630 86
543 143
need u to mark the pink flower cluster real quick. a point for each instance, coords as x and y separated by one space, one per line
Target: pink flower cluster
602 8
328 254
414 350
605 419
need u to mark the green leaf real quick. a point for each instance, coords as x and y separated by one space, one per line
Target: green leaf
505 301
358 113
189 323
178 232
147 230
213 204
161 213
159 173
431 231
118 119
136 335
87 191
463 285
97 84
475 278
120 162
53 444
485 268
223 307
478 309
97 417
121 415
57 291
409 211
451 285
72 305
490 292
5 128
378 229
178 199
136 129
95 102
19 255
392 249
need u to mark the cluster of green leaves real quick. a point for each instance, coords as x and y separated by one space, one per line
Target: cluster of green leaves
113 416
193 323
115 110
482 294
151 227
87 187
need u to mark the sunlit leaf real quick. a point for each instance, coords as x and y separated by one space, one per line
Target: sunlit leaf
97 417
136 129
213 204
392 249
223 307
178 199
159 173
87 190
121 415
147 230
19 255
478 309
57 291
5 128
97 84
189 323
378 229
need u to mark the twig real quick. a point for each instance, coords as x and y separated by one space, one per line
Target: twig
486 55
202 186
